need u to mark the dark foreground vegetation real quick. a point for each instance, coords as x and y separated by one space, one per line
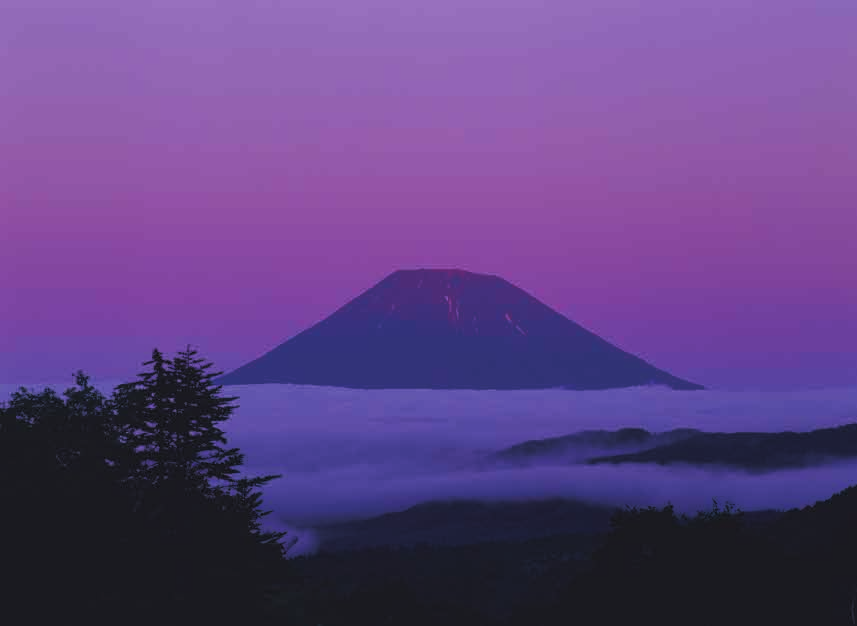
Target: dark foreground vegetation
130 509
652 566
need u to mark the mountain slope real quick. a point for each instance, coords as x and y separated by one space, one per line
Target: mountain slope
580 446
462 522
750 451
449 329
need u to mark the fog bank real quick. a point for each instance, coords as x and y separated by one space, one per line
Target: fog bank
350 453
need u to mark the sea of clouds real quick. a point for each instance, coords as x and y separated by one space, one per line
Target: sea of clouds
348 454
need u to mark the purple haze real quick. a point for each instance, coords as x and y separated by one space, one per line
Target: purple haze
677 177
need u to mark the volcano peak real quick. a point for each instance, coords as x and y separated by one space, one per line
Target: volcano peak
450 329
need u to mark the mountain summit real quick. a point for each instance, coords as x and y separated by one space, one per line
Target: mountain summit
449 329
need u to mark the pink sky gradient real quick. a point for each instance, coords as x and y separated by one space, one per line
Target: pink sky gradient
678 177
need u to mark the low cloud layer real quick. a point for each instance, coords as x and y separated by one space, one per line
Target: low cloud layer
347 454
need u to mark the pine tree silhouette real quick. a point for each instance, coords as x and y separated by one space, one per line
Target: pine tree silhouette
201 519
131 509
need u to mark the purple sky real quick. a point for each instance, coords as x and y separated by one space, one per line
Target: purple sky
678 177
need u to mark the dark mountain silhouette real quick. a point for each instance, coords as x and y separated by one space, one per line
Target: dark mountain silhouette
450 329
581 445
468 522
750 451
462 522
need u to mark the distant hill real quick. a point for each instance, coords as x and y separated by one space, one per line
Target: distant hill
762 567
463 522
750 451
582 445
450 329
469 522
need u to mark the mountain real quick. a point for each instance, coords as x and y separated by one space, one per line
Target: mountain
468 522
449 329
750 451
462 522
580 446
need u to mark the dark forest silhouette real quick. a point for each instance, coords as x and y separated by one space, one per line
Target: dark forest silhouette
131 509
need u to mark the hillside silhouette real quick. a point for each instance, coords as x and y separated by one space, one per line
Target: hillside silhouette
646 565
750 451
580 446
463 522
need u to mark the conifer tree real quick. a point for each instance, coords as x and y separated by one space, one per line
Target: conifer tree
132 509
198 519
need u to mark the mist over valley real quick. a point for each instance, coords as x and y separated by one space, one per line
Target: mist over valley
349 454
